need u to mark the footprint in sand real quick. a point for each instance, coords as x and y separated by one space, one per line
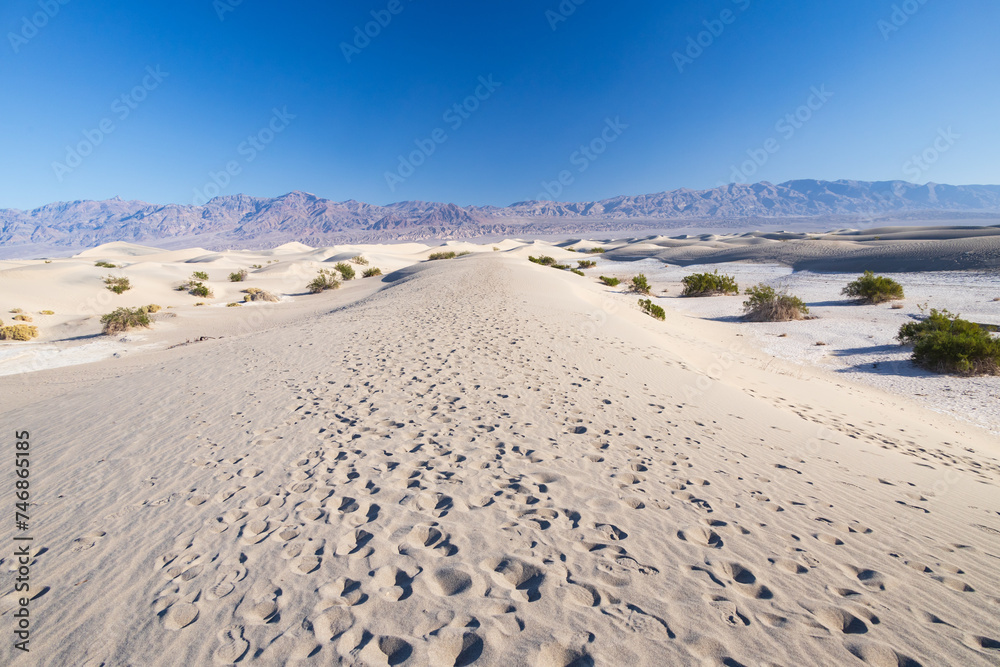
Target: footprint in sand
180 616
88 541
234 646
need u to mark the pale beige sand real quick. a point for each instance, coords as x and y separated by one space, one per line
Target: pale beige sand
493 463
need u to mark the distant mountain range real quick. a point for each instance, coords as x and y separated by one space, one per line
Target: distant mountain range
242 221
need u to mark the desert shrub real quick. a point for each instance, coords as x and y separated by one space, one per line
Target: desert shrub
200 303
345 270
199 275
945 343
18 332
117 285
372 272
585 263
870 288
464 253
48 261
323 281
153 308
652 309
709 284
196 288
544 260
610 282
47 312
23 318
16 310
359 260
256 266
639 284
561 267
105 265
577 272
495 249
257 294
124 319
767 305
238 276
597 250
234 304
442 255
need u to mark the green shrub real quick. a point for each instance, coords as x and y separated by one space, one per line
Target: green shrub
571 249
199 275
544 260
597 250
323 281
238 276
124 319
577 272
257 294
234 304
195 288
18 332
639 284
561 267
870 288
256 266
372 272
47 312
117 285
359 260
200 303
442 255
585 263
652 309
709 284
945 343
464 253
23 318
346 270
767 305
105 265
610 282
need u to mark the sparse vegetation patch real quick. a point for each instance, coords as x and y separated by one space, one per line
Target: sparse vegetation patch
709 284
442 255
765 304
372 272
870 288
18 332
359 260
544 260
323 281
199 275
652 309
23 318
124 319
118 285
47 312
610 282
585 263
639 284
945 343
345 270
238 276
257 294
105 265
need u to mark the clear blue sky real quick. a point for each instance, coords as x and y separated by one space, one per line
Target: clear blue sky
65 67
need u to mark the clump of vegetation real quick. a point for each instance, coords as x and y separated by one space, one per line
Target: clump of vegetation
464 253
585 263
768 305
610 282
16 310
23 318
200 303
442 255
870 288
359 260
639 284
47 312
323 281
153 308
577 272
238 276
234 304
372 272
18 332
596 251
495 249
256 266
709 284
544 260
124 319
117 285
345 270
105 265
652 309
257 294
945 343
199 275
196 288
561 267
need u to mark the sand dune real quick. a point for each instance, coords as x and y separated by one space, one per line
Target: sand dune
483 461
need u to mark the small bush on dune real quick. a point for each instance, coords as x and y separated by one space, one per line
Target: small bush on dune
652 309
585 263
199 275
767 305
200 303
597 250
124 319
870 288
16 310
323 281
639 285
442 255
345 270
464 253
561 267
23 318
257 294
234 304
610 282
372 272
238 276
196 288
709 284
117 285
153 308
18 332
105 265
359 260
47 312
945 343
256 266
544 260
578 272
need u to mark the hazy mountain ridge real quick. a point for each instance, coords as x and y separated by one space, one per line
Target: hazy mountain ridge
244 221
